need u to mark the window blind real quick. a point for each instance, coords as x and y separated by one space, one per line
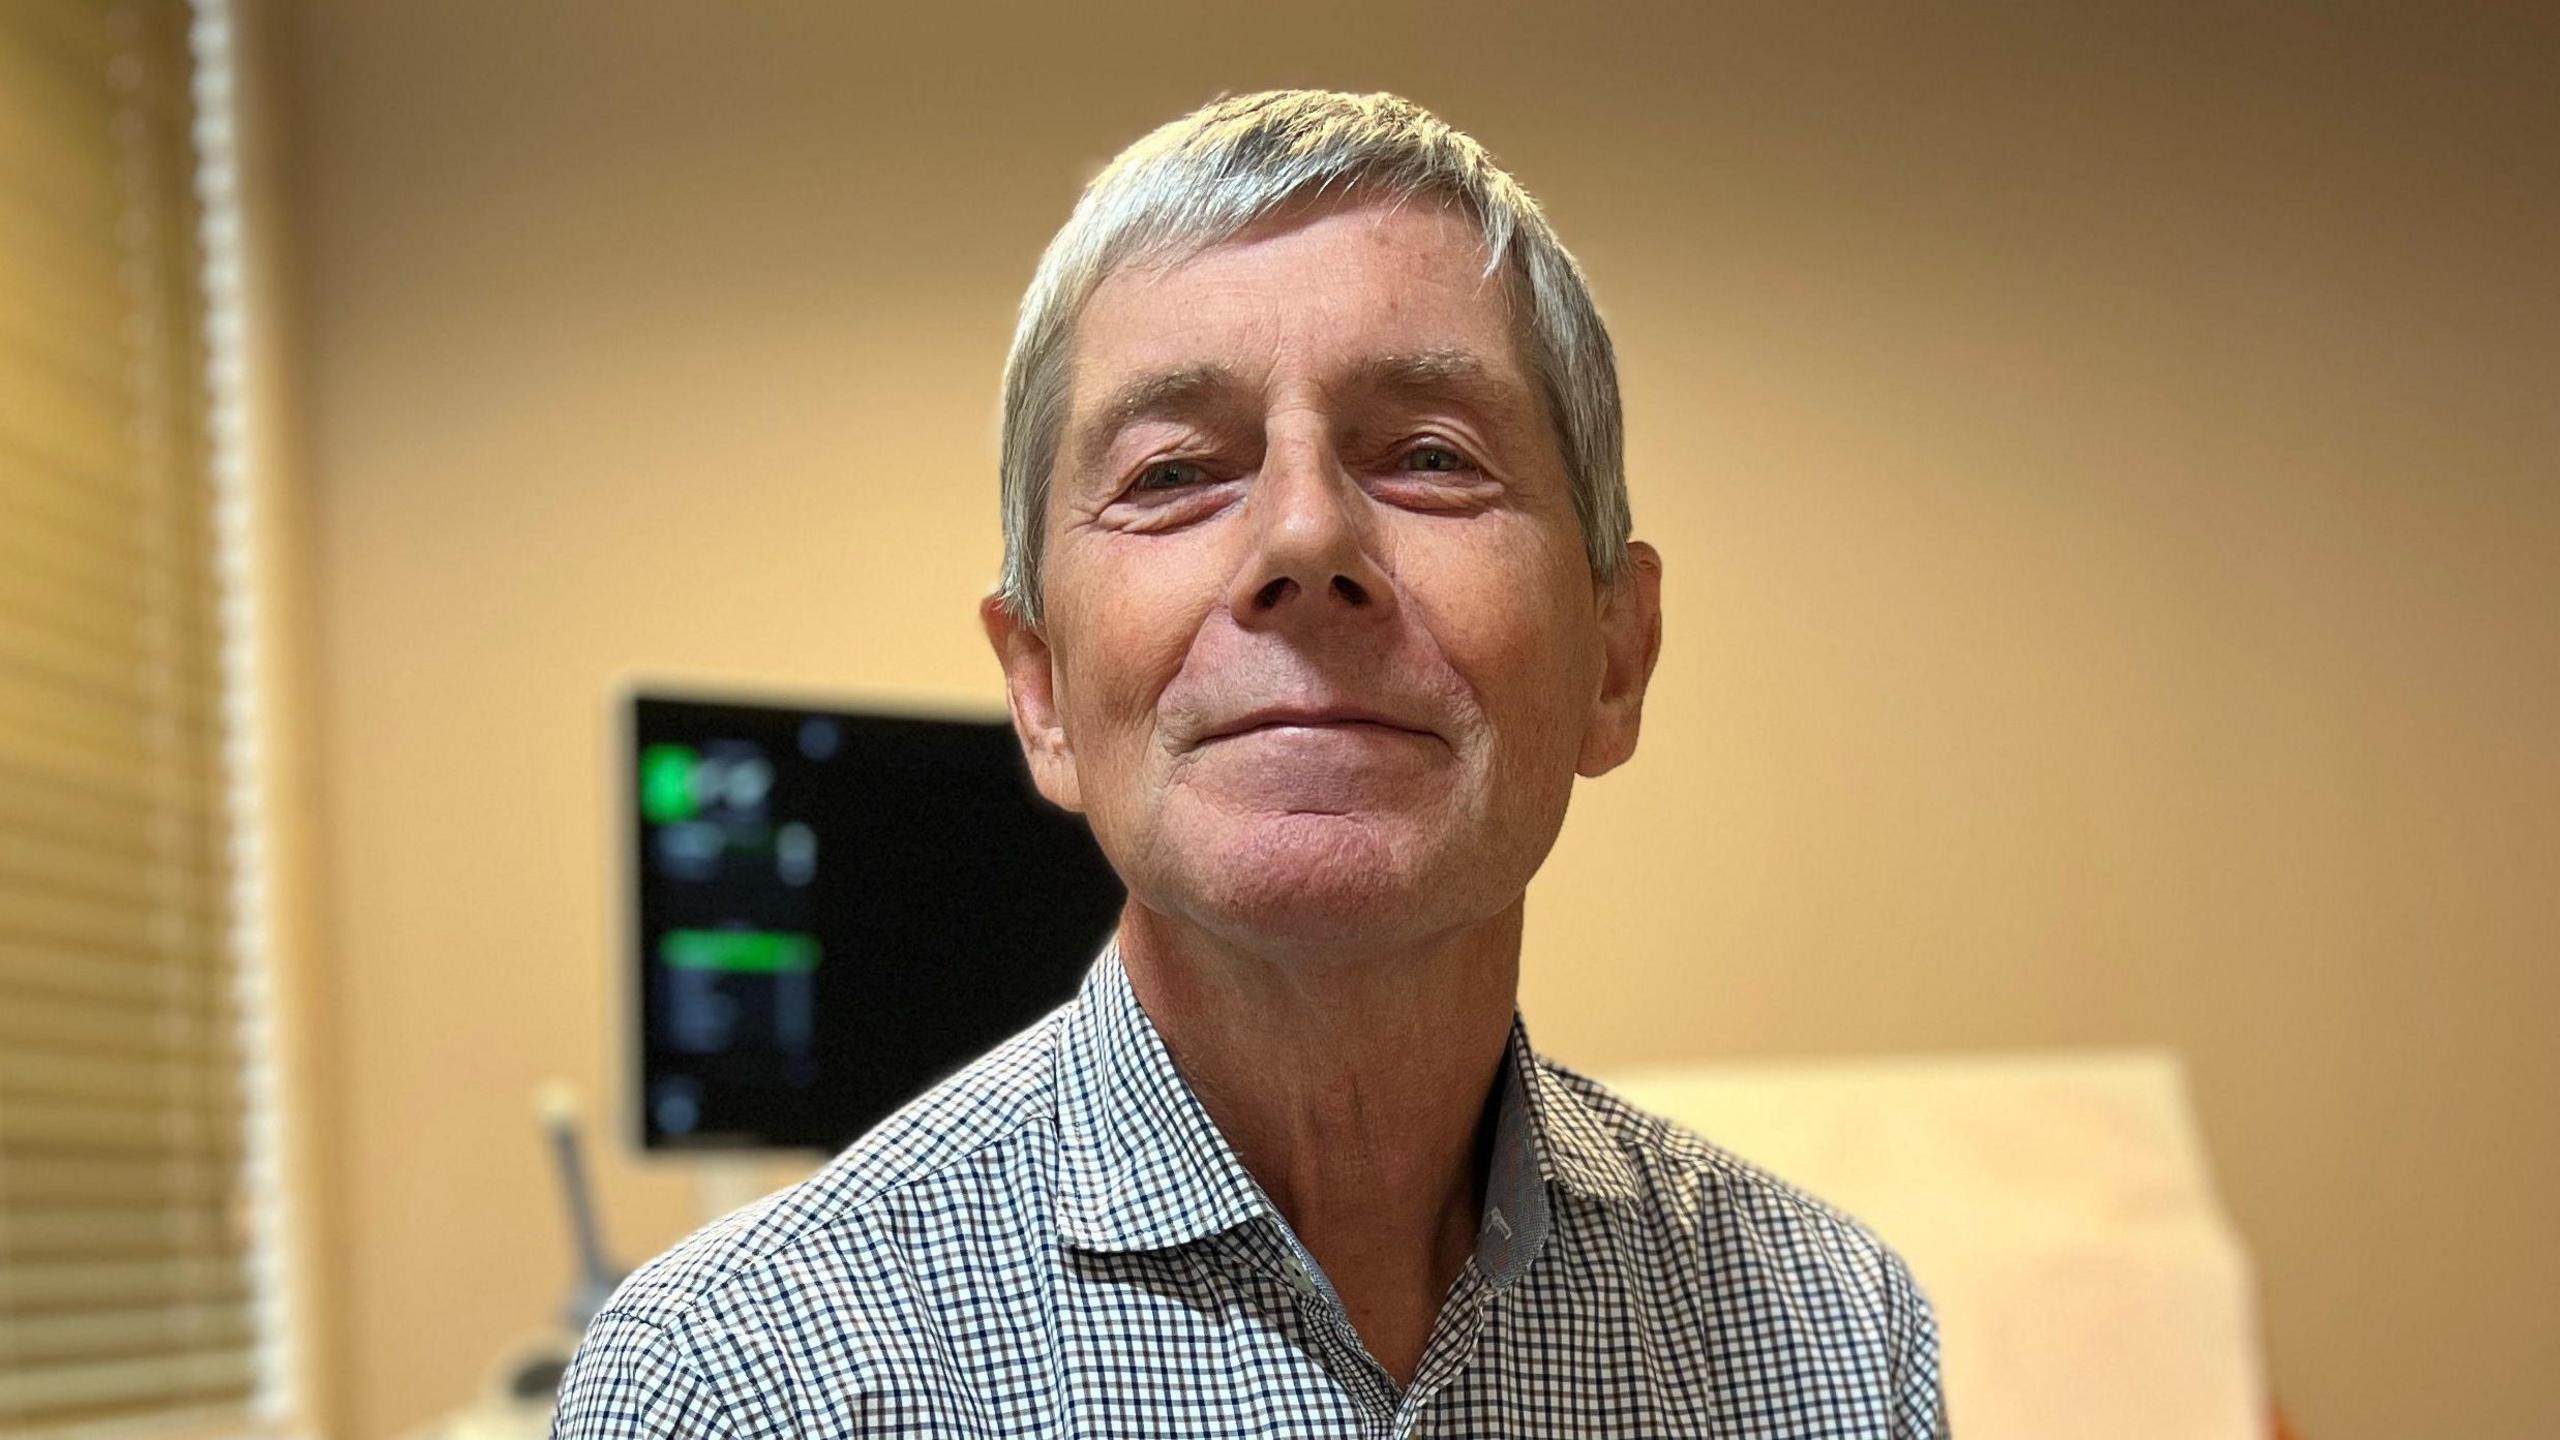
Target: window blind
125 1236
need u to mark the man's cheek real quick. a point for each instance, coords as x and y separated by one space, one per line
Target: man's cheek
1110 744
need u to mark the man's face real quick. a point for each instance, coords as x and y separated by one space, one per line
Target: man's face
1322 652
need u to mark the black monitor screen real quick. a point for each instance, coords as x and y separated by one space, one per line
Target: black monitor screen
835 910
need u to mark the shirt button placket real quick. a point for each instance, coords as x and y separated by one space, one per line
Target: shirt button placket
1346 1359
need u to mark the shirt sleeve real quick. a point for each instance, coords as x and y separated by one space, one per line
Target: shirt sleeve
632 1380
1919 1402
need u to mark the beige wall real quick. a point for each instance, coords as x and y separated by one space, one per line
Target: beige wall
2107 472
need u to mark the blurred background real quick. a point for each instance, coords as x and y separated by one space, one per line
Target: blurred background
2106 458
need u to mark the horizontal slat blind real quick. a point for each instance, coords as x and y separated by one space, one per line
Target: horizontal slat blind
125 1289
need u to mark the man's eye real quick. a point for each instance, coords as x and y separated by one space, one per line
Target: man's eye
1169 475
1434 458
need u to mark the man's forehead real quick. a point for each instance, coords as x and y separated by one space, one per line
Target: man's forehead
1434 369
1372 273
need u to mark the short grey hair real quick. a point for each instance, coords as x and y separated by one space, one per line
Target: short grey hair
1201 180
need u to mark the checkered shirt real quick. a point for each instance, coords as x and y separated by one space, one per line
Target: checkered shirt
1058 1242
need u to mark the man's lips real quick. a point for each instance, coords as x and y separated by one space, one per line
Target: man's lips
1311 717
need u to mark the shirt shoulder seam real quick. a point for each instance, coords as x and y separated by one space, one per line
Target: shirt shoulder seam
681 1353
676 1306
1665 1140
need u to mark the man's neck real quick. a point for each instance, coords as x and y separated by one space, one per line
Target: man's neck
1353 1089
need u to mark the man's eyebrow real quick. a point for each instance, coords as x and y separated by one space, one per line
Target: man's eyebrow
1444 370
1158 393
1496 399
1447 371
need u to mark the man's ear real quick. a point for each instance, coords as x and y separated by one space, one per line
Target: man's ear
1630 641
1030 688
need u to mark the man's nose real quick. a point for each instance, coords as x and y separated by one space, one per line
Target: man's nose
1311 544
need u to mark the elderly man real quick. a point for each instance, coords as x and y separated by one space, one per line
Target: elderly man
1318 594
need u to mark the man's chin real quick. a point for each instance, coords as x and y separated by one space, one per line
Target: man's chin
1316 881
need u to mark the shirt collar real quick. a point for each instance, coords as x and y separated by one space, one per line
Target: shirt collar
1573 1143
1143 1167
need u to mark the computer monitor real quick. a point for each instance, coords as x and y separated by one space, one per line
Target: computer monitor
832 909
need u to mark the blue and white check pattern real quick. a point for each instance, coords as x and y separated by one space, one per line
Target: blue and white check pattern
1058 1242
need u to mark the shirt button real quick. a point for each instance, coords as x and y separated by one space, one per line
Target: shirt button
1300 1279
